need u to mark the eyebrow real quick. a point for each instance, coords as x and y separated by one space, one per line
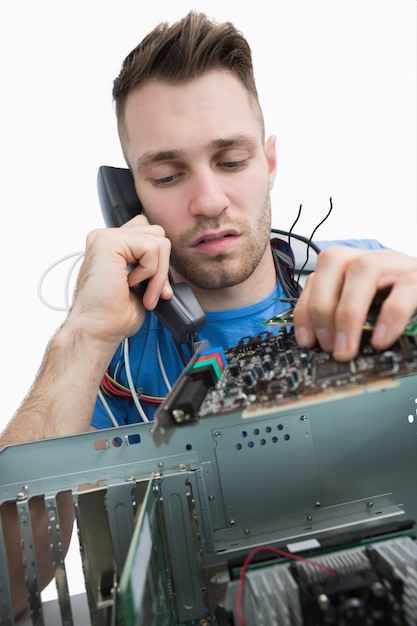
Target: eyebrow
149 158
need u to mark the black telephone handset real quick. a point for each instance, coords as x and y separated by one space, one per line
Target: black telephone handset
182 314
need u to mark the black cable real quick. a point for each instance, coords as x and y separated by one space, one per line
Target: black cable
311 237
293 224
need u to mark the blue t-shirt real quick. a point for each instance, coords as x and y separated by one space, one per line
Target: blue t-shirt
154 360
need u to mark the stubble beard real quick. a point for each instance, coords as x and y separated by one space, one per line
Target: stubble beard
221 271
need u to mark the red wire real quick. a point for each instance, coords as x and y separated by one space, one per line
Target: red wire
113 390
283 553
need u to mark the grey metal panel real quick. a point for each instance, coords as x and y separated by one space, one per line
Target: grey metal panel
54 528
29 562
120 507
267 467
177 493
341 455
368 445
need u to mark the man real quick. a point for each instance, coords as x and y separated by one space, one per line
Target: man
192 133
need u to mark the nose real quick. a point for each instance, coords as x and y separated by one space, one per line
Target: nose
207 196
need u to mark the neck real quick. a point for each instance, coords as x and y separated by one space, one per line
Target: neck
255 288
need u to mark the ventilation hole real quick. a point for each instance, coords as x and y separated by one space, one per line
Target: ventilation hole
262 442
280 427
244 433
274 439
256 431
117 442
250 444
238 446
188 446
132 439
268 429
286 437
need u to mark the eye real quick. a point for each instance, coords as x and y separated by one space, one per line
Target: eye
168 180
233 165
165 181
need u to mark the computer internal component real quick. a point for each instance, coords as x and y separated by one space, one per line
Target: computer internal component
272 371
265 447
372 585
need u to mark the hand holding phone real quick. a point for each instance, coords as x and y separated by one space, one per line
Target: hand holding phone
181 314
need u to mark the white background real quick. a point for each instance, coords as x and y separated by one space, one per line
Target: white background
337 82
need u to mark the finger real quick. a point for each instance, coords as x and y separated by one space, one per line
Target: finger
304 330
396 311
141 222
363 279
153 266
337 297
314 314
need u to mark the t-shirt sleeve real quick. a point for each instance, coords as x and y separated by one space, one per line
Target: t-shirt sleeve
365 244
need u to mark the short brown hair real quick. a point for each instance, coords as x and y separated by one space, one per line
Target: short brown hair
183 51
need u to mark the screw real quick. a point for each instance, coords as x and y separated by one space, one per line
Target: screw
303 418
378 589
23 493
323 601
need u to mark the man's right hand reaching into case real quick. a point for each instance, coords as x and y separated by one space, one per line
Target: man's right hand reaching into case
337 296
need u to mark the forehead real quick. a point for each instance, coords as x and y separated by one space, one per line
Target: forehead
159 115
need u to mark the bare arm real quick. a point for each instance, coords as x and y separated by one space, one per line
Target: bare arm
104 311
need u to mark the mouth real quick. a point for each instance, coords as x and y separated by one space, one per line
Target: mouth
215 243
208 238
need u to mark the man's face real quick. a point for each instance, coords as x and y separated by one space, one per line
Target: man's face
204 174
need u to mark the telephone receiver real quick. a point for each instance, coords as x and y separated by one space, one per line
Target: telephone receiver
182 314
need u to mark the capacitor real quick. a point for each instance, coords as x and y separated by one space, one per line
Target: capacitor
249 377
292 379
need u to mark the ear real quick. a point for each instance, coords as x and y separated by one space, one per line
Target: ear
271 158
